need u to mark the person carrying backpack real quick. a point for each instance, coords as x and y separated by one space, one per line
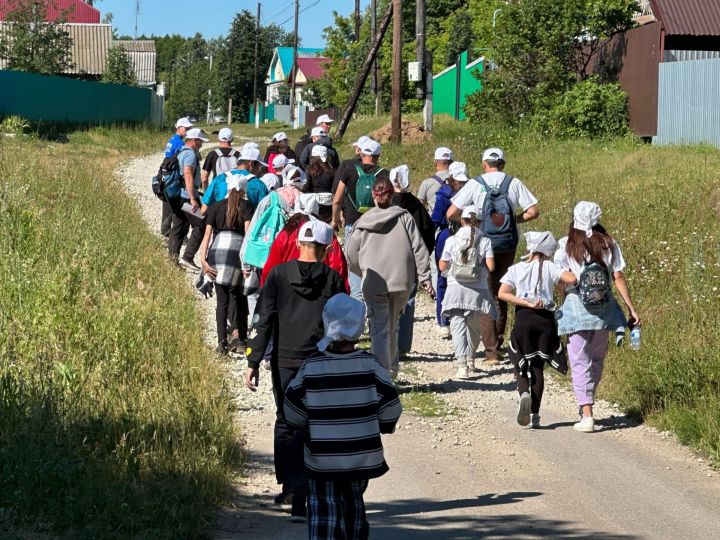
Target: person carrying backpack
430 186
173 146
466 259
249 166
279 146
353 195
534 340
221 160
510 203
590 310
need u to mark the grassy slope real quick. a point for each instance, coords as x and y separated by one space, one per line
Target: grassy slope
114 421
662 205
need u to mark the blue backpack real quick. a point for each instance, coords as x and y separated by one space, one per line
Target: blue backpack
498 217
268 226
172 177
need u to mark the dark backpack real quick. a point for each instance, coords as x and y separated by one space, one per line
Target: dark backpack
498 217
167 184
363 200
594 284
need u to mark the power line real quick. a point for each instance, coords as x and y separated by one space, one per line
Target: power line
301 11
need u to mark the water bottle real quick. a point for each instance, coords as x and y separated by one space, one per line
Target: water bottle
635 338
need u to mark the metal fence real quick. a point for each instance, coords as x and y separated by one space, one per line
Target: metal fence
60 99
689 102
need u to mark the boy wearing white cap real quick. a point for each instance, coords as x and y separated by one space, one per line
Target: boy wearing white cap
318 135
523 209
343 451
222 159
429 187
529 285
289 311
249 166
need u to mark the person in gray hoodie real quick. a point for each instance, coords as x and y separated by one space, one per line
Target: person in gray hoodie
386 249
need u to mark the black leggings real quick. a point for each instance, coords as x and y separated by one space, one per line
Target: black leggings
538 383
231 306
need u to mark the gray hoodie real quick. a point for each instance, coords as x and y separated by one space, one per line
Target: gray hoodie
386 248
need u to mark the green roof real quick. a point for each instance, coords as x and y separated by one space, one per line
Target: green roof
285 54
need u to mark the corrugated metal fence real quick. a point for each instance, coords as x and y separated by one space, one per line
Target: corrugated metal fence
689 102
59 99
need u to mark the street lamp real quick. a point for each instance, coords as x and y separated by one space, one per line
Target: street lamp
495 14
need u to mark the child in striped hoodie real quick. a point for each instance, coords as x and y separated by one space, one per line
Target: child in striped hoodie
346 398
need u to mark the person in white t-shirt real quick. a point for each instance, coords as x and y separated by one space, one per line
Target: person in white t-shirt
523 203
529 285
590 312
468 299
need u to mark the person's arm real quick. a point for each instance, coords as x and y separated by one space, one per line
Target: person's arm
422 257
622 287
443 265
389 406
507 294
490 263
204 178
352 252
568 278
528 215
266 311
337 206
454 213
207 269
189 174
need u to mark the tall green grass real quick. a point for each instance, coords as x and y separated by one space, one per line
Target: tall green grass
662 205
114 418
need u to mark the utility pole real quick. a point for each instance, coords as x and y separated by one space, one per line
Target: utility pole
420 46
428 108
364 72
209 108
137 14
294 66
396 116
357 21
376 79
255 71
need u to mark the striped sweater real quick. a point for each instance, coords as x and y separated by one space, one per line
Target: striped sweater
346 401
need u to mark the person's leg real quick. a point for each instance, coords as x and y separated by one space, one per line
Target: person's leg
354 280
474 324
353 506
489 338
293 449
178 229
378 314
398 300
538 384
407 321
221 311
193 244
324 512
503 261
458 328
166 219
434 271
242 315
598 352
441 288
580 356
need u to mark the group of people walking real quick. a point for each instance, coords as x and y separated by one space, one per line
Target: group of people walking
291 298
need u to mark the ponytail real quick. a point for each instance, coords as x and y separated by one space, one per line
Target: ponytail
465 252
233 207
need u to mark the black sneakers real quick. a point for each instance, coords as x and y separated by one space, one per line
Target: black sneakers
298 514
284 500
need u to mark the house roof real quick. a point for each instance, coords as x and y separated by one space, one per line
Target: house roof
312 68
285 54
136 45
76 11
89 48
688 17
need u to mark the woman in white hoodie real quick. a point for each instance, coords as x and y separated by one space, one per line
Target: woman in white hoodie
386 249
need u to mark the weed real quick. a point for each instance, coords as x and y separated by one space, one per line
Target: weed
425 404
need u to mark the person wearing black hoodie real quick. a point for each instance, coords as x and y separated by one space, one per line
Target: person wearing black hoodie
400 178
278 145
319 136
289 311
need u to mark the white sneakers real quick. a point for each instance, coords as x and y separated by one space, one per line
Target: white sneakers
442 331
470 363
523 415
586 425
462 372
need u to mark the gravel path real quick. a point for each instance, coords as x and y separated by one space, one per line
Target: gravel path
475 473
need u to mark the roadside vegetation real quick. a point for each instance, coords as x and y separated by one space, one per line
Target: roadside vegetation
114 417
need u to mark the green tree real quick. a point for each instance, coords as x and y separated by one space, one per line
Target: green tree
32 44
119 67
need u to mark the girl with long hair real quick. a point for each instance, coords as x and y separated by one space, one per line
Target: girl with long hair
466 261
280 145
225 224
590 311
320 175
534 340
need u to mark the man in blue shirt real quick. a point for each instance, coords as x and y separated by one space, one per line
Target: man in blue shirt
189 165
249 165
175 143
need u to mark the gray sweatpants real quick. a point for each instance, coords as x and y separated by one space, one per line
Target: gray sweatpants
465 329
383 312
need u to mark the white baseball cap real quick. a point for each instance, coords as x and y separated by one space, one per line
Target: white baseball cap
319 151
318 132
371 148
493 154
248 153
444 154
197 133
251 144
289 173
280 161
468 211
362 140
226 135
271 181
323 119
458 170
317 232
280 136
183 122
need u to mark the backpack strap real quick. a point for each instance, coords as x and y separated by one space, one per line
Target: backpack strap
438 179
380 169
505 186
218 152
482 182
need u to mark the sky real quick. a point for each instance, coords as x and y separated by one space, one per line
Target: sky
212 17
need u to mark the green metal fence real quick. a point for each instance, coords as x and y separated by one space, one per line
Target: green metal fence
452 88
59 99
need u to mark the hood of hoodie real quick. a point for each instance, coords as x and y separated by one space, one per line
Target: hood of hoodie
309 280
325 141
380 219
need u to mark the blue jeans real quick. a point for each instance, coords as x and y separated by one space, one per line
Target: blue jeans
354 280
405 327
441 288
